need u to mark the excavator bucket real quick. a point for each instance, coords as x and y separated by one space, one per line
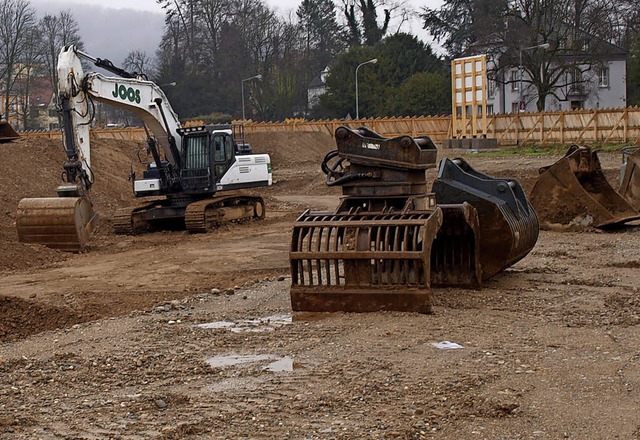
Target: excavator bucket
507 226
7 133
63 223
574 192
630 179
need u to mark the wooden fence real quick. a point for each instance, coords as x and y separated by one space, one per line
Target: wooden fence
587 127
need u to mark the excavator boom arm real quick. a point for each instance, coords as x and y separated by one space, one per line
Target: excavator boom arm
142 97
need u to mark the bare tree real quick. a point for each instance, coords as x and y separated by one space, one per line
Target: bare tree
574 35
17 18
58 31
139 62
27 71
366 30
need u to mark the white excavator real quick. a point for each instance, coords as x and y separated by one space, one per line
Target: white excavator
190 165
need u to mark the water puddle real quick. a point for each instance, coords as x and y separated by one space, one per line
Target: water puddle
285 364
236 359
266 324
217 324
269 362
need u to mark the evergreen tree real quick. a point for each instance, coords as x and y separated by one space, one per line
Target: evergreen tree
321 39
366 30
400 57
424 94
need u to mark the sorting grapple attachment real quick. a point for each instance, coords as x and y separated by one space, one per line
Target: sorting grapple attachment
574 192
63 223
362 262
630 176
507 224
373 252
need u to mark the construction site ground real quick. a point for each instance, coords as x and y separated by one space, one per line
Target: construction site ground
177 336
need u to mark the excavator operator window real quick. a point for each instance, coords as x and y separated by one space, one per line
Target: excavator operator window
196 156
222 153
218 154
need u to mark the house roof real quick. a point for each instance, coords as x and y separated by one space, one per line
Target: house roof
41 91
596 46
316 83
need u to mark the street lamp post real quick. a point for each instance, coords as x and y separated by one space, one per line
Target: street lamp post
373 61
521 107
242 86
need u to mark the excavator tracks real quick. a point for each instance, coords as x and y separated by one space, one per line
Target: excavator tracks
130 220
205 215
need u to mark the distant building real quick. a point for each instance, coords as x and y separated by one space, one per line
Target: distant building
31 104
603 84
317 87
43 114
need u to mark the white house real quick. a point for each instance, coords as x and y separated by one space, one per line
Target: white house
317 87
599 85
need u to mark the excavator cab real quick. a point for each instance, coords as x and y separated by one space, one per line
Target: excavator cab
196 169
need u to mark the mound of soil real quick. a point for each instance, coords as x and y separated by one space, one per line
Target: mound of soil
20 318
32 167
288 149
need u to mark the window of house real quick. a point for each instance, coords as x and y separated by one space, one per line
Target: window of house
491 89
515 81
575 80
515 107
490 109
603 76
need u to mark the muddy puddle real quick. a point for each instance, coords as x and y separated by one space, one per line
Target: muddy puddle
266 324
269 362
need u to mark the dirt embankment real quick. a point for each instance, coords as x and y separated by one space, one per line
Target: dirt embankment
33 167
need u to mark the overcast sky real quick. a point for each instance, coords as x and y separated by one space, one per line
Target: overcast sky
282 5
110 34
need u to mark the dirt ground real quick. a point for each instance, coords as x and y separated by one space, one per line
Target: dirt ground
178 336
